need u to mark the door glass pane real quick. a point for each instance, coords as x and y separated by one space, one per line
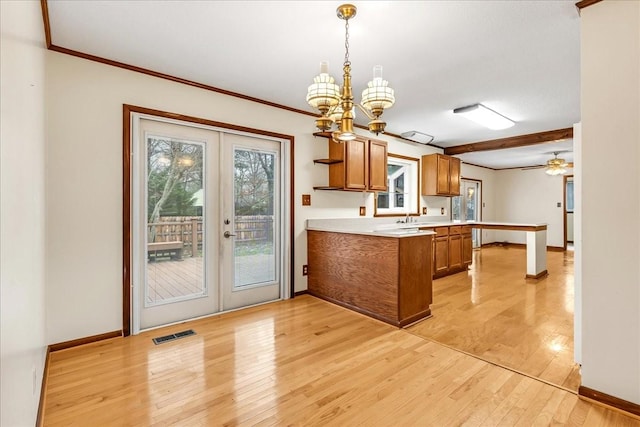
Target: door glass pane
569 201
175 229
455 208
254 208
471 203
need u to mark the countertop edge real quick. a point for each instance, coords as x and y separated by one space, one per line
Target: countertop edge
378 233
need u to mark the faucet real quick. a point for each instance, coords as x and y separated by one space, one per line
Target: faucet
407 218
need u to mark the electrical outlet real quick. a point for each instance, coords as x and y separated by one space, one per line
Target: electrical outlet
559 204
424 210
306 200
305 270
363 210
441 211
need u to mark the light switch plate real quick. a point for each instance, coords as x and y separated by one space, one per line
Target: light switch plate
306 200
363 210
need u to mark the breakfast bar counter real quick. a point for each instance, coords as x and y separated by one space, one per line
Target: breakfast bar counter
378 273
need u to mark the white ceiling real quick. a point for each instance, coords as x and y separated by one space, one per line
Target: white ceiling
520 58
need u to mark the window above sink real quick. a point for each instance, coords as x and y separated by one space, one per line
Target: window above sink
403 195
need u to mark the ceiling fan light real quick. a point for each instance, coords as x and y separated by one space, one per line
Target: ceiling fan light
484 116
555 171
556 166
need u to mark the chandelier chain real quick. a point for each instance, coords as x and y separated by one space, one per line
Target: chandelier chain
336 103
346 43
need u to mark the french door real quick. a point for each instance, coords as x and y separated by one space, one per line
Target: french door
466 207
251 205
207 221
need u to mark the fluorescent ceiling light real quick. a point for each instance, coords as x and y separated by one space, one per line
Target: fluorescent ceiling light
485 116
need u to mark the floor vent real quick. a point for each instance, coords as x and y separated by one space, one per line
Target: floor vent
177 335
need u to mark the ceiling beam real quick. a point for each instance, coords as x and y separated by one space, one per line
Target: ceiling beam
585 3
512 142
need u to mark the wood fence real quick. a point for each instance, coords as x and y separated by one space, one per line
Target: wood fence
188 230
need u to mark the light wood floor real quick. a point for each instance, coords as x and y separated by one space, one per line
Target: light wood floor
298 362
493 312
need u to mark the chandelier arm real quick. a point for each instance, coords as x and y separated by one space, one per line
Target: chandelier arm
365 111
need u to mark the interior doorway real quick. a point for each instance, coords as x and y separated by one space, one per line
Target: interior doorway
568 211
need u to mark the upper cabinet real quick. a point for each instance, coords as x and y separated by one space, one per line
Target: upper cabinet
440 175
357 165
378 165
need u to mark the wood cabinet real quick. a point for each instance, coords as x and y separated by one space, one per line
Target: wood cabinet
441 251
440 175
378 165
455 249
467 246
357 165
452 249
382 277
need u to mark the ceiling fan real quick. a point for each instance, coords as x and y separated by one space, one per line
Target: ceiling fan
556 166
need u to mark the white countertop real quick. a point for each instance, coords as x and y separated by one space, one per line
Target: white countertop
385 228
367 226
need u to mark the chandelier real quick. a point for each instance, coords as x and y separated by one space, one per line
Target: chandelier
556 166
337 106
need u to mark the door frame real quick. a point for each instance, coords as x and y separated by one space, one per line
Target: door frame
565 179
480 204
127 232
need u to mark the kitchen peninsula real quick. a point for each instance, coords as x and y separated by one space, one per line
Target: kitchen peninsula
378 273
384 269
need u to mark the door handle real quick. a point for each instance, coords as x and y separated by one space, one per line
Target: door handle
228 234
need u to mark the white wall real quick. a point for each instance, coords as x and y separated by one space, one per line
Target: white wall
610 102
84 212
22 224
577 243
530 196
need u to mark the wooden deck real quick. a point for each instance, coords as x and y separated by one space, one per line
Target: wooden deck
169 279
299 362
